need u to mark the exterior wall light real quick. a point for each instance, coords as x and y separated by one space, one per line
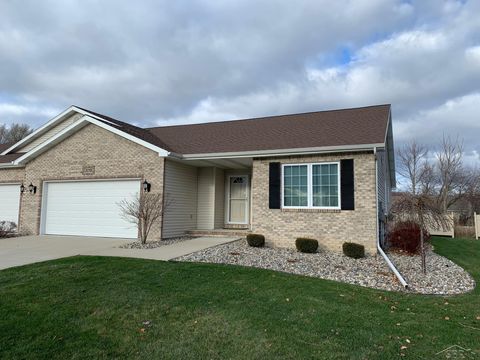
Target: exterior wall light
22 188
146 186
32 189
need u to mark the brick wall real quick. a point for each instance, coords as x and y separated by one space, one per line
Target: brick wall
330 227
12 175
111 155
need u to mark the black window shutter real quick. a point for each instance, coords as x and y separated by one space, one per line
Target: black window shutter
347 184
274 185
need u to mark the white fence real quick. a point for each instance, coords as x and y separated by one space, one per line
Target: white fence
449 230
476 223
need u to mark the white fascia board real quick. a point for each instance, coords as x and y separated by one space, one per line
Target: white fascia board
52 141
93 119
160 151
390 149
284 152
83 121
40 130
10 165
388 125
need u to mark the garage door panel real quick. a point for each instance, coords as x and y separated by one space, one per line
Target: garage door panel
80 220
100 231
9 202
84 205
89 208
83 214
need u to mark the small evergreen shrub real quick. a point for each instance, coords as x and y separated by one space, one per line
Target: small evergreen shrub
353 250
405 236
306 245
256 240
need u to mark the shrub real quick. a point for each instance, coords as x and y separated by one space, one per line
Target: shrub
7 229
256 240
465 231
306 245
405 236
353 250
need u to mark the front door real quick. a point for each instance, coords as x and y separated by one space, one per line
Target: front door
238 199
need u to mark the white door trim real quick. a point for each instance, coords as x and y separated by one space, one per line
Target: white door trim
227 196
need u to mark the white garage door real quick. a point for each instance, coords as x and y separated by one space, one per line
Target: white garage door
9 202
88 208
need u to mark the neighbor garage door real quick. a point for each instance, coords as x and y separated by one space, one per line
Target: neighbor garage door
88 208
9 202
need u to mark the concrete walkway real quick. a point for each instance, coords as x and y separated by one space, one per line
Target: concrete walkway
31 249
166 252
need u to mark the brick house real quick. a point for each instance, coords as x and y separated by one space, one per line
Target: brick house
326 175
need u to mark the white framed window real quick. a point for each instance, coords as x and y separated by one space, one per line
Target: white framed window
311 185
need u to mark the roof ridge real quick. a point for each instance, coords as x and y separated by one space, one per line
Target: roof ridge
268 116
126 125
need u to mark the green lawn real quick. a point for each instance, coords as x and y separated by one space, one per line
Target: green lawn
93 307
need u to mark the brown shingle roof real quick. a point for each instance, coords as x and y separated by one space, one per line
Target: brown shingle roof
346 127
133 130
356 126
4 147
5 159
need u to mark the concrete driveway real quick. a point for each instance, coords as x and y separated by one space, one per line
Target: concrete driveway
31 249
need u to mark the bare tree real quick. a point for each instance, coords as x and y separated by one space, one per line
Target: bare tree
3 133
422 210
143 211
14 133
443 176
453 178
418 204
412 165
472 194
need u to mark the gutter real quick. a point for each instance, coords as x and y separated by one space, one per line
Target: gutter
379 248
10 165
283 152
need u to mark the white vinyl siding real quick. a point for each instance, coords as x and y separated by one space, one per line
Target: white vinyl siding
88 208
210 198
311 185
50 133
381 181
206 199
9 202
219 198
181 197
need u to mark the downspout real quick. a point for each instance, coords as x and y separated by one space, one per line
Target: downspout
379 248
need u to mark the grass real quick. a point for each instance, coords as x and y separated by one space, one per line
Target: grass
94 307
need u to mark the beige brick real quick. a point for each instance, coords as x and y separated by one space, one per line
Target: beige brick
330 227
112 156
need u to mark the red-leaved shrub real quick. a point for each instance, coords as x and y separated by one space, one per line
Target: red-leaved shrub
405 236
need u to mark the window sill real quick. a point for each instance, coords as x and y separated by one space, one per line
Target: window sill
307 210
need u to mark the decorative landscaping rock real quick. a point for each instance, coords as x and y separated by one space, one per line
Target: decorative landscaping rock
443 277
369 272
155 244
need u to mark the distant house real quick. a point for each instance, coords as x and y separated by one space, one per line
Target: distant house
326 175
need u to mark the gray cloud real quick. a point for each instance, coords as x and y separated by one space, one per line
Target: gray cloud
189 61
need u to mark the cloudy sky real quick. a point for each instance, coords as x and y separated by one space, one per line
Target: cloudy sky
171 62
